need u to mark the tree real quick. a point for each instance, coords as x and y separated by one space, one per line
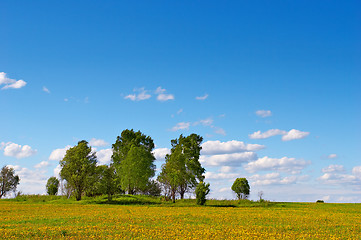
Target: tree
136 169
139 147
202 191
174 173
52 186
8 180
78 166
190 148
241 188
107 182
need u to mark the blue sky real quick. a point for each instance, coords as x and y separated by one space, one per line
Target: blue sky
282 75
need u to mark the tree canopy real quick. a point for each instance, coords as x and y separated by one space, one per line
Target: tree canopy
8 180
133 160
52 186
78 166
241 188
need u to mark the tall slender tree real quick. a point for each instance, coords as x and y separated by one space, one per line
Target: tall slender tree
78 166
191 148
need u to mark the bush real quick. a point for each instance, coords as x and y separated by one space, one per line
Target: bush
320 201
201 192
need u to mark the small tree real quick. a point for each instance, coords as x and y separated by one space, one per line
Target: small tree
8 181
52 186
202 191
78 166
241 188
107 181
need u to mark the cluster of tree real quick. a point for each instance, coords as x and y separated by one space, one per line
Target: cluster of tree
8 181
132 169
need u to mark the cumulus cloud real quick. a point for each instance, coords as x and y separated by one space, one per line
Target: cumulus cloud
284 164
10 83
181 126
45 89
221 175
287 136
294 134
162 96
233 159
159 153
264 113
267 134
58 154
17 151
104 156
333 169
30 181
275 178
139 95
218 147
204 97
57 170
42 164
335 175
97 142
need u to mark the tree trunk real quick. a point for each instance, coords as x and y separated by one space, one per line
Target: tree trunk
173 196
109 197
78 196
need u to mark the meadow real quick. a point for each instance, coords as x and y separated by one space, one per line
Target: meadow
139 217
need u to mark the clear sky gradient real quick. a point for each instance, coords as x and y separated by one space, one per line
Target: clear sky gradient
281 74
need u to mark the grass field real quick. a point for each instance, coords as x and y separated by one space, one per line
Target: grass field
149 218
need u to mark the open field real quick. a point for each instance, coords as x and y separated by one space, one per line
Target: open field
43 219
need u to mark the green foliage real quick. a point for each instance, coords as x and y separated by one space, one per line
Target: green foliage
78 167
153 188
241 188
320 201
136 169
107 181
174 172
202 191
133 160
8 180
52 186
182 170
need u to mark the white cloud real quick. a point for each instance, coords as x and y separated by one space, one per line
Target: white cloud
275 178
333 168
159 153
287 136
162 96
338 179
331 156
57 171
180 111
267 134
30 181
204 97
141 94
226 169
17 151
233 159
104 156
45 89
10 83
58 154
97 142
284 164
218 147
42 164
181 126
294 134
212 175
264 113
356 171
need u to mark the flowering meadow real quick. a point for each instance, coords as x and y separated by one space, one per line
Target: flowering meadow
23 220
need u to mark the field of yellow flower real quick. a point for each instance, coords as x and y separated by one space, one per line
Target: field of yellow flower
105 221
